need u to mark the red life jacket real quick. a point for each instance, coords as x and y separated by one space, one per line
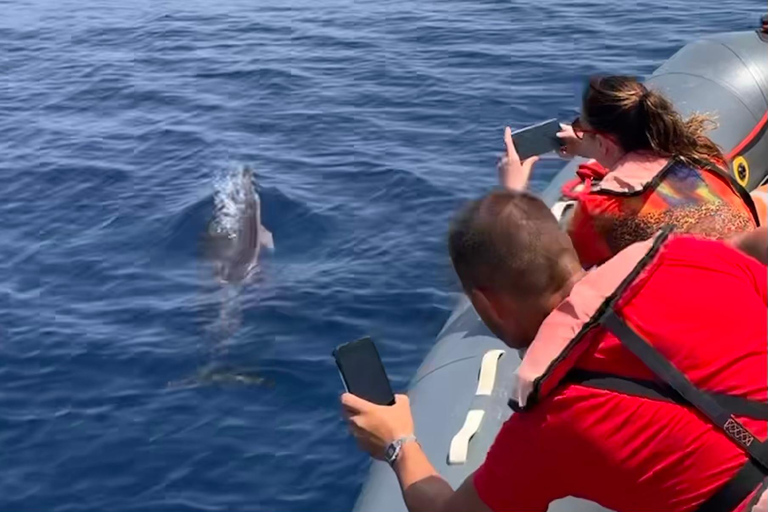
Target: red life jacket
598 306
643 194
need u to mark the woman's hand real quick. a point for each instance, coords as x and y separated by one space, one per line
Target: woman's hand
514 174
572 145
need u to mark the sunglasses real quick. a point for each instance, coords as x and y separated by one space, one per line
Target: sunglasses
579 131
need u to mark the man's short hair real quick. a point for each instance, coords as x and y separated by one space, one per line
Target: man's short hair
511 242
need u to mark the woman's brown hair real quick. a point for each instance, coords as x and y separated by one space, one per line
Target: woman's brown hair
642 119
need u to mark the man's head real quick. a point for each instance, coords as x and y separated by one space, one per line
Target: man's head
514 262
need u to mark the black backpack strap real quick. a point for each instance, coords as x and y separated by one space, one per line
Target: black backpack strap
745 481
736 405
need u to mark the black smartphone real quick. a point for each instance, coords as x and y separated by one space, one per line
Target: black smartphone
537 139
363 372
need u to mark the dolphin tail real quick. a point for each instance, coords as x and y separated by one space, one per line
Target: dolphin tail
265 239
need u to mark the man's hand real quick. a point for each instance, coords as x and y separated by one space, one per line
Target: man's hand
376 426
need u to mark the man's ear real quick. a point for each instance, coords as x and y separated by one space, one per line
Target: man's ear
486 303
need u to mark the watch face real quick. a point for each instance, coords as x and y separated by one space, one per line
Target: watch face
391 451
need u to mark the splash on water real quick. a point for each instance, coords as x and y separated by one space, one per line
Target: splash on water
229 202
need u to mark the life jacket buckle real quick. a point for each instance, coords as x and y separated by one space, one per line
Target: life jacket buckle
738 432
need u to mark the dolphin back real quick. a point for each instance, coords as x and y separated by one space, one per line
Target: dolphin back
239 234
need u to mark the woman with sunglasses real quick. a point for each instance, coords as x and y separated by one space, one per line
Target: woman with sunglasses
648 168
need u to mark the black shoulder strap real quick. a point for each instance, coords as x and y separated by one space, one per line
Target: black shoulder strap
756 498
745 481
736 405
651 184
666 371
737 187
742 192
736 490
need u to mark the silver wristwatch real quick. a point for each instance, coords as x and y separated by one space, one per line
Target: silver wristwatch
395 447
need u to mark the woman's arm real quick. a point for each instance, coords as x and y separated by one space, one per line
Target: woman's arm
514 174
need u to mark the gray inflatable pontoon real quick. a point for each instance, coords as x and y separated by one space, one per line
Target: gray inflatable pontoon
459 394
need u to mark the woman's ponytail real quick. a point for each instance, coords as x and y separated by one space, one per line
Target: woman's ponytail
643 119
670 135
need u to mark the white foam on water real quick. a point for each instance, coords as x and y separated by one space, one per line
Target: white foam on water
229 201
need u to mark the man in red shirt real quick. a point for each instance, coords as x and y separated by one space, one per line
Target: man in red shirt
602 414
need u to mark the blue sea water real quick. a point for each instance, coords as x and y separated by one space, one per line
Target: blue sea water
368 122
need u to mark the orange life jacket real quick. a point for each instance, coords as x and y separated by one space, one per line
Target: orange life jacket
643 194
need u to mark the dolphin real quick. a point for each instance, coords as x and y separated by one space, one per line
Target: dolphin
223 375
234 249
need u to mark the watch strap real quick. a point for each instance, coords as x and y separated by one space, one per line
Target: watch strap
395 447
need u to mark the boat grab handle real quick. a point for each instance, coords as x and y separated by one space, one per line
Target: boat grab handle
457 453
487 377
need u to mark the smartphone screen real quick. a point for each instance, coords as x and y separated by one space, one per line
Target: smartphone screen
363 372
537 139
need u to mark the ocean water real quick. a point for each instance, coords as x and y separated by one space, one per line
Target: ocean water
130 379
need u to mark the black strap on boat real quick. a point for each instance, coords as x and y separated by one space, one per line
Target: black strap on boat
736 405
749 476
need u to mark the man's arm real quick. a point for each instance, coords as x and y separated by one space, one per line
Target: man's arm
753 243
424 490
517 474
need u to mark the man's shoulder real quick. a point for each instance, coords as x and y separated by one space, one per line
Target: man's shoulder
700 251
552 414
676 248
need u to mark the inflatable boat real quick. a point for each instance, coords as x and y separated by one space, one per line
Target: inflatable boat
460 392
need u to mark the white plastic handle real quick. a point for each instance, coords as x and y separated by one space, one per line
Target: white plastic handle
457 453
487 377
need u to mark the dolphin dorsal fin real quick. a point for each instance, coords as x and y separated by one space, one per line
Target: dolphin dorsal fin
265 238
